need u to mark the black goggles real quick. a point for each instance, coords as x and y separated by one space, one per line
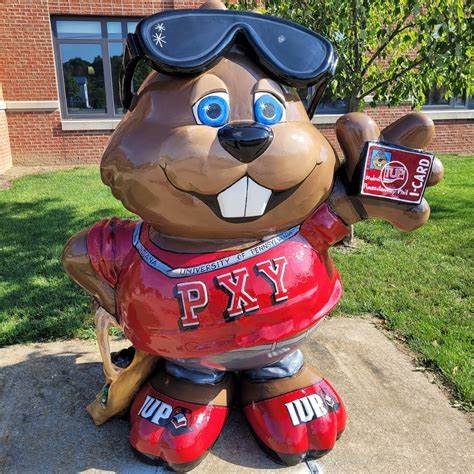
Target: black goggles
189 42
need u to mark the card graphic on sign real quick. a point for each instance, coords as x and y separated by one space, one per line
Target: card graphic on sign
395 173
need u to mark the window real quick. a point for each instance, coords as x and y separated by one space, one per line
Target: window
328 103
332 105
88 60
435 100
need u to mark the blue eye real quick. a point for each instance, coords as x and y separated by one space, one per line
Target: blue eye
268 109
212 110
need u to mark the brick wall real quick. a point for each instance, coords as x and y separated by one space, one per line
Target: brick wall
5 150
25 34
454 136
27 72
451 136
37 139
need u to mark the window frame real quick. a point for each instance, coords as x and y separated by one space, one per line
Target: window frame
321 109
451 105
104 41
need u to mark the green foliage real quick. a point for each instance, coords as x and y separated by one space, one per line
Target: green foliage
93 73
116 66
141 73
391 50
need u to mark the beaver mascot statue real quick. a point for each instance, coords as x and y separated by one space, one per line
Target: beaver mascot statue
239 196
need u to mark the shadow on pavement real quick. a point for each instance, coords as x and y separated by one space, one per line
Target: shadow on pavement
44 426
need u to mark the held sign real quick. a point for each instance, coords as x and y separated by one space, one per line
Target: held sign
395 173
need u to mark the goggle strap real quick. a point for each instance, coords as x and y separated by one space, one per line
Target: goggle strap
131 56
319 89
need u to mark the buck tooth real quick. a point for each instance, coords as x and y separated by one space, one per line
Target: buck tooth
232 200
245 198
257 199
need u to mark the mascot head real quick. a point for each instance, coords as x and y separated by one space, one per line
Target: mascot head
217 143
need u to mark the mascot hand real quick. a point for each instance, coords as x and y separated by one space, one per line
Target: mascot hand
353 130
103 322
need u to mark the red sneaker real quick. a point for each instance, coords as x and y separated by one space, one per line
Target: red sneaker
175 422
294 418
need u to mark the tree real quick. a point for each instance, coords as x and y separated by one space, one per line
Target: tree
93 73
389 50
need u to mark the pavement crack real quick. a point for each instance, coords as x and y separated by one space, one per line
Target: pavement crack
313 467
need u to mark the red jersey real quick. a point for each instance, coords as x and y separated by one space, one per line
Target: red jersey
195 305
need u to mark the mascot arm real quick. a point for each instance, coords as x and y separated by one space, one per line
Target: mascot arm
87 258
78 265
324 228
353 130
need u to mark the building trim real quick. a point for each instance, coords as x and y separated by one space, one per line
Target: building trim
325 119
449 114
32 105
111 124
84 125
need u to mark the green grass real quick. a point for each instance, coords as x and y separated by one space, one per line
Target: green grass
38 214
419 283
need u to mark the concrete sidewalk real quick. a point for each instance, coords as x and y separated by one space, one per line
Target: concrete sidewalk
398 420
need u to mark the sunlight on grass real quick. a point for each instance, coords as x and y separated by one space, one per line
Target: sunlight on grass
37 216
419 283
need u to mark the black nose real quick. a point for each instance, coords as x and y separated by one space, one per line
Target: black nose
245 140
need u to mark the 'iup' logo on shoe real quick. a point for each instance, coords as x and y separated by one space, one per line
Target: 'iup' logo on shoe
156 411
308 408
